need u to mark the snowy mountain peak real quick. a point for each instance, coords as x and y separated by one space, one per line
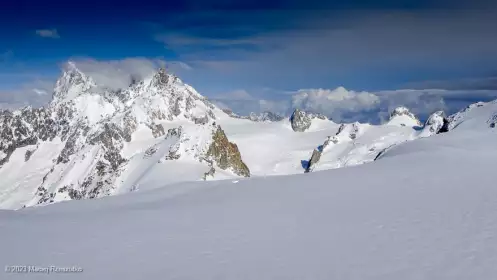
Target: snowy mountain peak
91 141
399 111
161 79
402 116
71 84
436 123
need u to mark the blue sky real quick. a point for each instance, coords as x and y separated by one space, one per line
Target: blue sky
243 53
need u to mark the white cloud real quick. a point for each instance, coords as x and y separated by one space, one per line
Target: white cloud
221 105
117 74
243 103
182 64
40 91
340 104
331 48
276 106
113 74
32 93
239 94
344 105
48 33
335 103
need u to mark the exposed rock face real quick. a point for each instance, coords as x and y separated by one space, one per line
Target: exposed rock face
435 124
28 126
402 111
157 130
202 120
492 120
71 84
174 132
209 173
229 112
87 128
316 153
150 151
383 152
349 130
28 154
174 150
226 154
300 121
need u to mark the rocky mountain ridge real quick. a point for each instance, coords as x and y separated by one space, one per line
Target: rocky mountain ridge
437 123
90 141
90 129
265 116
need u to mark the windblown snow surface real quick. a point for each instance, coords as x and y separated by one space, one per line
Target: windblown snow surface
427 209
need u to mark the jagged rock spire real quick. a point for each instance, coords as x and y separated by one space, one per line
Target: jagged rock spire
161 78
72 83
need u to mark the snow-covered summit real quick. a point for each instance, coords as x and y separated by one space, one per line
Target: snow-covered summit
404 117
92 141
72 83
436 123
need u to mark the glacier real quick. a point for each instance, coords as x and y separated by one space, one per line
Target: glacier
424 210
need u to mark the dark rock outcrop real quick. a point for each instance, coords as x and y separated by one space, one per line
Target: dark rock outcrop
226 154
316 153
436 123
210 173
28 126
351 129
157 130
300 121
174 132
492 120
201 120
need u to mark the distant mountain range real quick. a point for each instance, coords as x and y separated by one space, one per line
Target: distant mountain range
90 142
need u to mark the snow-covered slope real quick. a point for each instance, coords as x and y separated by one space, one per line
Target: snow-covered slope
275 149
425 210
91 142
